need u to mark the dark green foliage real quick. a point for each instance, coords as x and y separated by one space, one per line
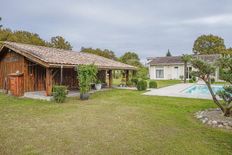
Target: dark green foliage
152 84
129 83
59 93
142 73
194 78
212 80
135 80
86 76
0 20
131 58
225 65
142 85
60 42
104 53
191 81
209 44
168 54
32 38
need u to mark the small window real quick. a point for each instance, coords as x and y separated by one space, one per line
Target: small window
159 73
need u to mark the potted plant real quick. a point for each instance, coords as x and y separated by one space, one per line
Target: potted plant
98 84
86 76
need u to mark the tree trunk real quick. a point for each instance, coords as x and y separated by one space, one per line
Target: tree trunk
185 71
214 97
227 112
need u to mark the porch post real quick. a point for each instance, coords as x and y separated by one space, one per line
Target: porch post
61 75
48 82
110 79
127 75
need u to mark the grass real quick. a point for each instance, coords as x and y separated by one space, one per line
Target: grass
165 83
111 122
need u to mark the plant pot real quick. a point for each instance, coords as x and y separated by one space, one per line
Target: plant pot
84 96
98 86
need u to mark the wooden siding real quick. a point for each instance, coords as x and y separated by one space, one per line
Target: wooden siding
10 62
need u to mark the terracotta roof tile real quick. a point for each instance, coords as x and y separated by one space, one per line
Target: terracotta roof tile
56 56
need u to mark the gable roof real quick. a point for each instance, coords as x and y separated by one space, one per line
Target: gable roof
177 59
53 57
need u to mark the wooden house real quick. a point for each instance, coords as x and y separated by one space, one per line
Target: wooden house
41 67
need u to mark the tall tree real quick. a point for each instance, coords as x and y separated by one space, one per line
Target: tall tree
209 44
185 58
104 53
131 58
0 20
168 54
60 42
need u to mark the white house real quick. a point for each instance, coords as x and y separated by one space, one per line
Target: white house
167 68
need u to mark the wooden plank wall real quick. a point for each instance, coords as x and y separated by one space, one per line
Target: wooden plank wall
10 62
34 77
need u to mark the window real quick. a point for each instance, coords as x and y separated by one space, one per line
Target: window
159 73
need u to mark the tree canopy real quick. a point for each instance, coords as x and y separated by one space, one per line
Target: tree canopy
104 53
0 20
60 42
209 44
131 58
168 54
32 38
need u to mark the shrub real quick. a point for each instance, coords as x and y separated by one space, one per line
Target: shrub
142 85
129 83
212 80
152 84
194 78
59 93
134 81
191 81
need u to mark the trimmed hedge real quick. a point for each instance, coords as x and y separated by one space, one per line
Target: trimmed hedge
59 93
152 84
142 85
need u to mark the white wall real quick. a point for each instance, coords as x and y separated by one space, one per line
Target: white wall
169 71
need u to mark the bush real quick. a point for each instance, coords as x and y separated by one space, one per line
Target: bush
59 93
142 85
134 81
129 83
194 78
191 81
152 84
212 80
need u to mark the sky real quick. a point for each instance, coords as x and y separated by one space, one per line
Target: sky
147 27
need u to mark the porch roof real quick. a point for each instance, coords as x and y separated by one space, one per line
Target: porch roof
53 57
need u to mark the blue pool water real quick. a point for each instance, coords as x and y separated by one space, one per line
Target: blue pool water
202 89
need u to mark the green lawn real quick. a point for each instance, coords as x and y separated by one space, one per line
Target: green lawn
165 83
111 122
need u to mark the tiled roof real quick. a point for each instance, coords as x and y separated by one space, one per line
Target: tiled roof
54 56
177 59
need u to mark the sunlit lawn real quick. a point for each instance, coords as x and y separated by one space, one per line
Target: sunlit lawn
111 122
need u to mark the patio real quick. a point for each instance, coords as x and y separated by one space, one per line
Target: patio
41 95
176 91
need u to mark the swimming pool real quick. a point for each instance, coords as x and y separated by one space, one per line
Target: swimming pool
202 89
